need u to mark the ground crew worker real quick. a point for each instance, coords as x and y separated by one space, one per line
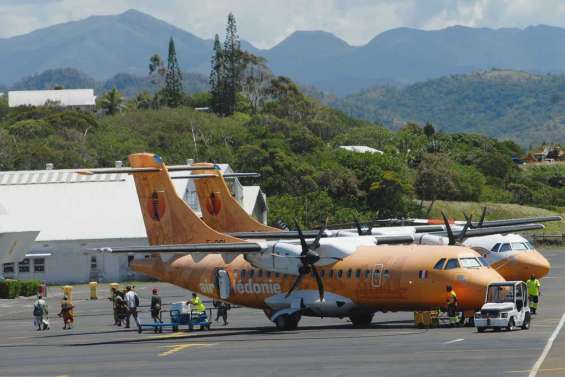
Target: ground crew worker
452 304
112 298
156 306
534 291
196 304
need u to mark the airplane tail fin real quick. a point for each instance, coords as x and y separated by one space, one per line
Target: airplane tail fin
220 210
168 219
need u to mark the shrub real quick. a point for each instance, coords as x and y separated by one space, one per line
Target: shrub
15 288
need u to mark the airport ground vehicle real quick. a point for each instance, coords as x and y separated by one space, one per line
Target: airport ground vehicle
181 315
506 306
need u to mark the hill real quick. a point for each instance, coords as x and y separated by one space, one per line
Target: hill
127 83
523 107
102 46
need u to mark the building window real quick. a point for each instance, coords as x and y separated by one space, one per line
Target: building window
8 268
94 262
23 266
39 265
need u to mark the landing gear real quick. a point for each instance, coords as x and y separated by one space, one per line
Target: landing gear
287 321
361 319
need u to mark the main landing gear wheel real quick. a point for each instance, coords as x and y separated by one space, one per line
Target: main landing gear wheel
287 322
361 319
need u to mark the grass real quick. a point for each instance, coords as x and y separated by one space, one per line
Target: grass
496 211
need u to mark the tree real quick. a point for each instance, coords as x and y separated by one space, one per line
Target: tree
112 101
232 61
434 178
172 92
156 69
255 79
217 83
429 130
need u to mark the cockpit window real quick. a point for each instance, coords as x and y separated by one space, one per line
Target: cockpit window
495 248
469 263
519 246
529 245
439 264
483 261
504 247
451 264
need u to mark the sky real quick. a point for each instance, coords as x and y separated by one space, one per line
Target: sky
266 22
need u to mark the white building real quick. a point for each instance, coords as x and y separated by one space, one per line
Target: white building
360 149
83 99
77 213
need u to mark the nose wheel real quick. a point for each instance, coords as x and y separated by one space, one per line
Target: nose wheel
361 319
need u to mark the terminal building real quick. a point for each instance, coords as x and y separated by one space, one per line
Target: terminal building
76 214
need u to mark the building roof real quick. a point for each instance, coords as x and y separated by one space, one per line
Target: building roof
360 149
66 97
63 205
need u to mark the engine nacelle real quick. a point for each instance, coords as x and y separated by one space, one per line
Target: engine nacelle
430 239
280 257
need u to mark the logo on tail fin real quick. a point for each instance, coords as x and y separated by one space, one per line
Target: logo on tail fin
213 205
156 205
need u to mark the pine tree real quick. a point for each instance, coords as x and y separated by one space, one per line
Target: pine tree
232 58
173 80
217 83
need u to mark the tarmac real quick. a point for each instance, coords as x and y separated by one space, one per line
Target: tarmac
250 346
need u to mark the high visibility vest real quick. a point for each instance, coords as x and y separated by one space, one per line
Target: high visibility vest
533 287
197 304
452 298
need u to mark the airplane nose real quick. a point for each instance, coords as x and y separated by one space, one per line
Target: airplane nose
532 263
474 288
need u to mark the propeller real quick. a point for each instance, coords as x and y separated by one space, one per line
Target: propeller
361 232
481 221
308 257
450 236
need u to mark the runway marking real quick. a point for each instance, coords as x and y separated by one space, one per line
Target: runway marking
168 336
539 370
179 347
547 348
454 341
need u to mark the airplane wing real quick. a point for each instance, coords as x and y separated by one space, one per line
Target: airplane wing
518 221
479 232
212 248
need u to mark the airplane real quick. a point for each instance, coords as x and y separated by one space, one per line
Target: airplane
516 259
330 277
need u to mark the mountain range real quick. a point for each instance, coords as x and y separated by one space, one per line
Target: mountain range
102 46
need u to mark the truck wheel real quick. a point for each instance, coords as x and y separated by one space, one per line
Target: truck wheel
480 329
511 325
526 323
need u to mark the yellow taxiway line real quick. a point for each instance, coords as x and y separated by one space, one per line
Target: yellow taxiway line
179 347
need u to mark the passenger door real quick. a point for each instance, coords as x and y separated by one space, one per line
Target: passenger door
223 284
377 276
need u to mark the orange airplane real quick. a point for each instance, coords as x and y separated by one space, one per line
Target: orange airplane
332 277
514 260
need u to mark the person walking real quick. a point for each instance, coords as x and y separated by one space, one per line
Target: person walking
222 308
534 291
113 297
40 312
452 305
67 313
132 302
156 307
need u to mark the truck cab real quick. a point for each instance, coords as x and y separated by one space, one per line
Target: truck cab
505 307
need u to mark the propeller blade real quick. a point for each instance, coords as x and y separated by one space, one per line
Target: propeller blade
296 283
483 214
319 282
448 229
465 228
302 240
316 243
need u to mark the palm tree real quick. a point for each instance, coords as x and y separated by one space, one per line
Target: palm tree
112 101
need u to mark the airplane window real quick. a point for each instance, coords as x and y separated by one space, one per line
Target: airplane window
322 273
269 274
495 248
367 273
470 263
349 272
339 273
451 264
251 273
519 246
260 273
357 274
277 274
439 264
331 274
385 274
504 247
285 276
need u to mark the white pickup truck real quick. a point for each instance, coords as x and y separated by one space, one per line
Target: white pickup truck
506 307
